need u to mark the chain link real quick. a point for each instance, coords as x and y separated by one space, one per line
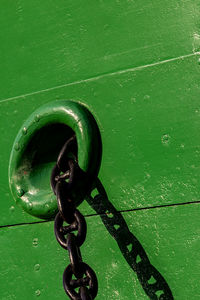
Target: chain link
68 183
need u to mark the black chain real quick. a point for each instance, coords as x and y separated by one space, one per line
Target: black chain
70 185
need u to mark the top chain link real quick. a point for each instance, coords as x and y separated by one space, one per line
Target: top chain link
69 182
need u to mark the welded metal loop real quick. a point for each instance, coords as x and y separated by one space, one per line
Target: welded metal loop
74 255
66 205
90 280
68 151
70 187
57 175
79 225
84 293
65 165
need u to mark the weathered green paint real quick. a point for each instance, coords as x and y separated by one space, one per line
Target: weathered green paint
135 65
55 43
140 167
36 149
171 249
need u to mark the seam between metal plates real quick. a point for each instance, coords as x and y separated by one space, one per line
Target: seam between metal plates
120 211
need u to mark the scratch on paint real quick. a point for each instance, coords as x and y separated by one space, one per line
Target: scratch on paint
102 76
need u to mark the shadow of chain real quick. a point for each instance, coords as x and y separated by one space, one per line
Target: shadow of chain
152 282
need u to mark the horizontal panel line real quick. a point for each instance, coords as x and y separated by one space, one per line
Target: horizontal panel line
22 224
151 207
101 76
121 211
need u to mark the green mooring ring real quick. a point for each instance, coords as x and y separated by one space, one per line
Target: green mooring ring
23 172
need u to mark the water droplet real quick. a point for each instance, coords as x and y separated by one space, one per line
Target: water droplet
37 267
133 100
12 209
20 192
17 147
147 175
38 293
199 61
24 131
165 139
146 97
182 146
35 242
37 118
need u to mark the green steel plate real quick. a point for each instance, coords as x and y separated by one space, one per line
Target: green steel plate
135 65
51 43
169 236
149 121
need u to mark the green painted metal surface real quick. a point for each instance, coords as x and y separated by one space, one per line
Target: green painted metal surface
149 124
172 250
135 65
